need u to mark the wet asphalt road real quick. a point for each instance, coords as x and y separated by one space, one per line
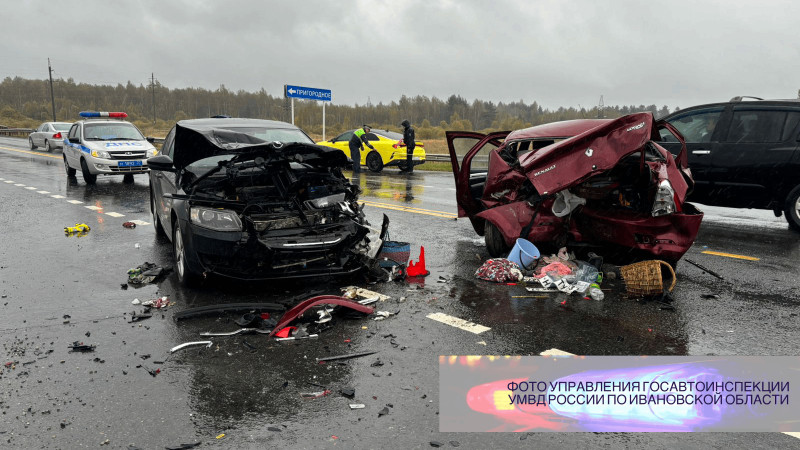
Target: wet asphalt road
56 290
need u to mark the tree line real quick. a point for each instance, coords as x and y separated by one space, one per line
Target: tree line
26 103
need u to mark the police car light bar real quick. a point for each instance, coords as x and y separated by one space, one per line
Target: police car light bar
119 115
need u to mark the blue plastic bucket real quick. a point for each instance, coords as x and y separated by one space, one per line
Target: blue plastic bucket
524 254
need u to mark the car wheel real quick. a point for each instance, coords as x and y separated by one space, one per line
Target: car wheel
186 276
156 219
32 145
374 162
70 171
127 178
495 244
87 176
47 147
792 208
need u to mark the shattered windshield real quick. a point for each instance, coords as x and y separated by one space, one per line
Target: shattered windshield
284 135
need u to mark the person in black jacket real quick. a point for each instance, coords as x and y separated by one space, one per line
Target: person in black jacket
409 139
358 140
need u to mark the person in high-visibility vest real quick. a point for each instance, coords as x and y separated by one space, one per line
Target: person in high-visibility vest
358 140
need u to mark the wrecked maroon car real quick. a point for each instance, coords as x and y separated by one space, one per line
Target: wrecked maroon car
580 182
255 200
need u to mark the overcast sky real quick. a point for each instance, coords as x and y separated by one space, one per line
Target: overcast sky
556 52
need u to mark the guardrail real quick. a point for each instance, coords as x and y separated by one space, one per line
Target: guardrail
16 131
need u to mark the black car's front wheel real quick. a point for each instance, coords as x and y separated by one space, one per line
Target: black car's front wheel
374 162
495 244
186 275
792 208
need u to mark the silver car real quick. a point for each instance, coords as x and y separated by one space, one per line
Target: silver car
49 135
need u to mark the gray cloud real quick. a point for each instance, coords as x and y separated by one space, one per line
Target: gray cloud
558 53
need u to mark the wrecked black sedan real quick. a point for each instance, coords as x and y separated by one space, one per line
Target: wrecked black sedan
255 200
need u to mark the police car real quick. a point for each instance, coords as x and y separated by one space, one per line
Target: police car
103 143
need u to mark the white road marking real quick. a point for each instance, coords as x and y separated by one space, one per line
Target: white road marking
140 222
114 214
42 192
793 434
1 179
93 208
458 323
19 184
555 352
58 196
74 202
31 188
9 181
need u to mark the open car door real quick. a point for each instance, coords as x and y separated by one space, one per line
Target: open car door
469 155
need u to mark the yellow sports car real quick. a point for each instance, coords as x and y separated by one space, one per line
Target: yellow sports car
389 149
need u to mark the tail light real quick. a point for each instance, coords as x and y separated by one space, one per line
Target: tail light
57 136
664 203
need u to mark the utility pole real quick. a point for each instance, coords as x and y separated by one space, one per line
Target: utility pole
52 96
153 85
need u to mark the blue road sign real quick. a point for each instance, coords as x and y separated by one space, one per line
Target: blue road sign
307 93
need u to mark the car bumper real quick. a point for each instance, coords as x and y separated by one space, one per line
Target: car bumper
100 166
236 255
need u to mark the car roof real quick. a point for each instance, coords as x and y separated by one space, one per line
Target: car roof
566 128
235 123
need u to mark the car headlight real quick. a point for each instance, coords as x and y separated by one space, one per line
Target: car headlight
152 152
665 200
215 219
101 154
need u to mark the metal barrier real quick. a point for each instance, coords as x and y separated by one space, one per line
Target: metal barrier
22 132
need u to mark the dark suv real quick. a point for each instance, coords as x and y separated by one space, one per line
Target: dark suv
743 153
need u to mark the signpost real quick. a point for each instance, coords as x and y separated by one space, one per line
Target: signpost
323 95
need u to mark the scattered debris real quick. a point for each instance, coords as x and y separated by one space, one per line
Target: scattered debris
301 307
80 229
704 269
315 394
139 317
499 270
348 356
436 444
348 392
227 307
235 333
220 436
276 429
146 273
159 303
357 406
183 446
190 344
78 346
709 296
384 411
353 292
129 225
135 301
383 315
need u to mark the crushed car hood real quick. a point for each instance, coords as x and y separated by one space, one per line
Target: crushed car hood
570 162
206 142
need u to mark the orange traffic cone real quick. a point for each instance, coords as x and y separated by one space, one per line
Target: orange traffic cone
418 269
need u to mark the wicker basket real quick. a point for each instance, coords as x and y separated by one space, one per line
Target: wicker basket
643 279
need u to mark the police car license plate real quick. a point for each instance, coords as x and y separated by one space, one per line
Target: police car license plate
130 163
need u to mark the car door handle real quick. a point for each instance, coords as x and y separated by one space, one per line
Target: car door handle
701 152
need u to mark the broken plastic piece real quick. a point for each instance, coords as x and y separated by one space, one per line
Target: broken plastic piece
138 317
315 394
129 225
301 307
284 333
234 333
704 269
78 346
382 315
190 344
183 446
348 392
357 406
310 336
227 307
79 228
348 356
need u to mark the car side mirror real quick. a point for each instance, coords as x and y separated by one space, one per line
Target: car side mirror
75 140
161 162
151 139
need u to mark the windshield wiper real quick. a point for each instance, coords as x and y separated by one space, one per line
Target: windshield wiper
123 139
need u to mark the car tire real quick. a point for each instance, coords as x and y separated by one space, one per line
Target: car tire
374 162
792 209
70 171
495 244
87 176
186 276
47 147
31 144
127 178
156 220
